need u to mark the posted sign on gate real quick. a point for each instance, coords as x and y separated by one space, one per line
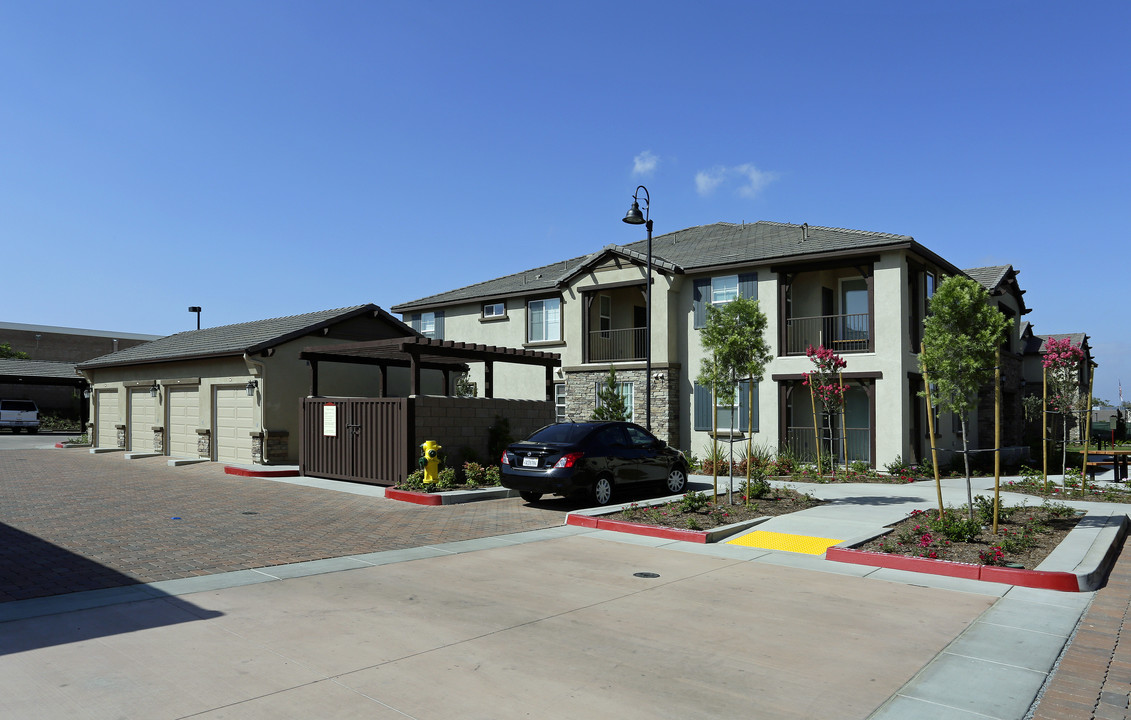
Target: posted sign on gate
330 420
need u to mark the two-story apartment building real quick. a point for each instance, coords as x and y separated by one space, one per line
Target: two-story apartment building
864 294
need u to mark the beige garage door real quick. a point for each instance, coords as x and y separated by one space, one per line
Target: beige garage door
235 419
143 416
184 418
106 406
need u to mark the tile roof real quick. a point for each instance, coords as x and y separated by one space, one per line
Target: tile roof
691 249
1036 343
38 369
989 277
229 339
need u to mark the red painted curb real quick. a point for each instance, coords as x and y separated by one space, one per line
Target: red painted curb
1041 579
664 533
413 497
244 472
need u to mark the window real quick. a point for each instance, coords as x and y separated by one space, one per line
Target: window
544 320
719 291
428 324
494 310
724 289
625 390
605 310
743 419
930 285
559 402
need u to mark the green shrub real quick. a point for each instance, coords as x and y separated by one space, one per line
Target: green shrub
445 479
474 474
493 476
694 502
414 481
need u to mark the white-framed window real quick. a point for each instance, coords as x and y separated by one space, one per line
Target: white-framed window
605 310
428 323
544 320
727 405
494 310
560 401
724 289
625 390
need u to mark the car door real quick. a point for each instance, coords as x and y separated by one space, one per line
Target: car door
650 458
617 454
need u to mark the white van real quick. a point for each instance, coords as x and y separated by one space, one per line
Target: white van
19 415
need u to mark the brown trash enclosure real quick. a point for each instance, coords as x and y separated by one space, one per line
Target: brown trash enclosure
377 440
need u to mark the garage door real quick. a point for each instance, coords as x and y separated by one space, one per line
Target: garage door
184 418
106 405
143 416
235 420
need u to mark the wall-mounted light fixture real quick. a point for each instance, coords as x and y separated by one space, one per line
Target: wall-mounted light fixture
86 393
251 386
154 389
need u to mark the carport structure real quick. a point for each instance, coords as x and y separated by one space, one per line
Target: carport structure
375 440
422 353
49 384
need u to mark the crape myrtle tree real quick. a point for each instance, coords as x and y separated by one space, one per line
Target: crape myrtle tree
736 350
1062 362
961 336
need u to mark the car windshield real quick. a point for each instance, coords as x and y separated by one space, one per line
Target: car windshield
561 433
18 405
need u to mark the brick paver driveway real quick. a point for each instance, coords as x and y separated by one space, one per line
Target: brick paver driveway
72 521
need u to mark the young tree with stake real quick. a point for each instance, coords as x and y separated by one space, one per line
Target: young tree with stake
960 340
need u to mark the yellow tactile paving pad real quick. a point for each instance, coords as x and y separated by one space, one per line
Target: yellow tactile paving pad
784 541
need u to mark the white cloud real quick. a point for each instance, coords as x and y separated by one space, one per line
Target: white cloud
707 180
645 163
752 180
756 180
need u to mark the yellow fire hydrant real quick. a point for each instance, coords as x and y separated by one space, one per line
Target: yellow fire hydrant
431 461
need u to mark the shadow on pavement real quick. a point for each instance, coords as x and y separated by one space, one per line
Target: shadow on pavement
39 578
877 500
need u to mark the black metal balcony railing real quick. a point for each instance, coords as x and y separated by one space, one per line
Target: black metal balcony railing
616 345
800 441
842 333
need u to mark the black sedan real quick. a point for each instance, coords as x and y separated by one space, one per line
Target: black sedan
593 458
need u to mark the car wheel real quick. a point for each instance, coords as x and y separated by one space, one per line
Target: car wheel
530 497
602 491
677 480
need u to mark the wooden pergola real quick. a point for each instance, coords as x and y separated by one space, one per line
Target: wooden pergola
421 353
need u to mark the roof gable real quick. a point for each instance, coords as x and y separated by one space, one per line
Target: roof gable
248 337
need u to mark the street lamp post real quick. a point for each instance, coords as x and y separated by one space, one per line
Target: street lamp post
635 217
196 309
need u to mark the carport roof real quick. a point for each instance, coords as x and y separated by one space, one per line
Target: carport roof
249 337
38 372
429 353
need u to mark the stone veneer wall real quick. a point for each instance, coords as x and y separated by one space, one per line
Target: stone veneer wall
462 424
277 446
581 397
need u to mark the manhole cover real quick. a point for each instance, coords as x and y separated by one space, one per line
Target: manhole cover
646 575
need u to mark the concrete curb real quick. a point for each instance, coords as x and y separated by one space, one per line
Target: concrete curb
451 497
265 473
591 518
1089 551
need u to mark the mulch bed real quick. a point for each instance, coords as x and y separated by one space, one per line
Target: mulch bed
675 514
914 537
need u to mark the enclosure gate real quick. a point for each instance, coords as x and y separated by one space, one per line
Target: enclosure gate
358 439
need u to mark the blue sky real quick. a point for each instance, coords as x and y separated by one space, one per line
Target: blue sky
271 158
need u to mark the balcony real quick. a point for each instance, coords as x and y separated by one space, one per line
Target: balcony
841 333
617 345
